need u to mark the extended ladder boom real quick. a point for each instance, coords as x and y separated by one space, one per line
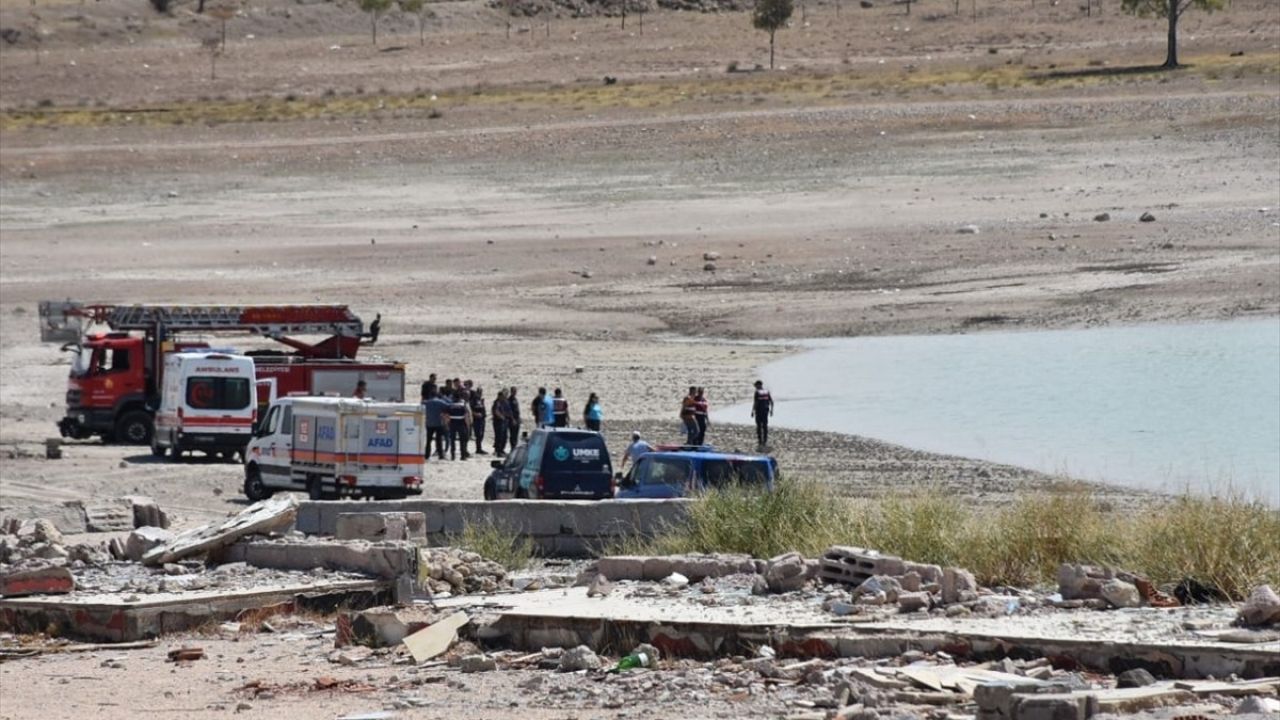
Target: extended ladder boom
66 321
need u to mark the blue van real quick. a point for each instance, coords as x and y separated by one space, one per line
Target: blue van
662 474
559 463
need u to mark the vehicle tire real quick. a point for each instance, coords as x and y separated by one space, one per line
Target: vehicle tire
254 489
315 488
175 453
134 428
488 489
521 494
156 450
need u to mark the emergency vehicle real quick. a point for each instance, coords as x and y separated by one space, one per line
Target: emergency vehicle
333 447
207 404
117 377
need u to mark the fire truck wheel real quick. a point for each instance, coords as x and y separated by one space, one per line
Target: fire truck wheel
134 428
253 487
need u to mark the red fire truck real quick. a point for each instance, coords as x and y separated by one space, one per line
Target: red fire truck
115 382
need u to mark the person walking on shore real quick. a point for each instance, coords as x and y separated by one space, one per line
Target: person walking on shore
593 414
687 416
513 417
762 410
700 415
559 409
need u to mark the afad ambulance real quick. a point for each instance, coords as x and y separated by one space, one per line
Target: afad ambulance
208 402
333 447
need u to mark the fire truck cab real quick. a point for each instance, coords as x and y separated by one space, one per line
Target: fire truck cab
116 380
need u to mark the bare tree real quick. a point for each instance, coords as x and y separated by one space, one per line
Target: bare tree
1171 10
770 16
223 13
213 47
419 9
375 8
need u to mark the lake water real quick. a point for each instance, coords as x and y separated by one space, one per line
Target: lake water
1166 407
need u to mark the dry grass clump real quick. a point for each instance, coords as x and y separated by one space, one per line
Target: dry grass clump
493 543
1231 543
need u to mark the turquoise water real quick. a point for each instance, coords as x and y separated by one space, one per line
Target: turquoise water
1165 407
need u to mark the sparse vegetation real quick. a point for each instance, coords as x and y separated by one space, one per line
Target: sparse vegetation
1172 11
770 16
493 543
1229 542
375 8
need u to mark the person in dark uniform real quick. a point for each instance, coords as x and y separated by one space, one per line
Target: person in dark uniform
700 415
761 410
559 409
535 407
478 411
459 415
513 417
435 407
429 387
499 416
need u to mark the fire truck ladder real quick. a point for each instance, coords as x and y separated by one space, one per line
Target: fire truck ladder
64 321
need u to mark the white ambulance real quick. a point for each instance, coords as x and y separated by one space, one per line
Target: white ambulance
208 402
331 447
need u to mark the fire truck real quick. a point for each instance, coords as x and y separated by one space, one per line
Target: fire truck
116 379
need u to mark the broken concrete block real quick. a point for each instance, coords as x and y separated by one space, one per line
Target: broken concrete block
1055 706
910 581
579 658
435 638
142 540
146 512
600 586
382 626
1262 607
880 585
381 526
958 585
1081 582
913 601
275 514
853 565
1120 594
1137 677
109 516
655 568
786 573
622 567
387 559
927 573
477 663
41 581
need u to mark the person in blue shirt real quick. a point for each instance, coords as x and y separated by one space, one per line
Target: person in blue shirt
593 414
548 412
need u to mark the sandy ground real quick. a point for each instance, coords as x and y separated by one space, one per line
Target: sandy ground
505 228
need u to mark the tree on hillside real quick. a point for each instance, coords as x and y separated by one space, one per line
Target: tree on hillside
770 16
419 9
375 8
1172 11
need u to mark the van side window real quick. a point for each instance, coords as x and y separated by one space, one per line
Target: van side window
286 420
273 420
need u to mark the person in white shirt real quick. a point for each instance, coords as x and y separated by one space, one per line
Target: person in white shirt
637 448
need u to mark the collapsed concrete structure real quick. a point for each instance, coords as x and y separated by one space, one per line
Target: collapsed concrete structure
926 635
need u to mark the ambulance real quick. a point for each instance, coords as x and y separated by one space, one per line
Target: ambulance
207 403
333 447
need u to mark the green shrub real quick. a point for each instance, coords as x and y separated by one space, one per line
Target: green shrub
496 544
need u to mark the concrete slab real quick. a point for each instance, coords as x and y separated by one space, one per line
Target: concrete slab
692 624
119 617
565 528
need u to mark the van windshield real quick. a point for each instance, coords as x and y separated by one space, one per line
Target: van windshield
218 393
723 473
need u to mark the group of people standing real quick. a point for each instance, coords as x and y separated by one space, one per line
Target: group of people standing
694 414
457 413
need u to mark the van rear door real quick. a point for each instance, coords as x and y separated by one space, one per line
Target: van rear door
576 465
